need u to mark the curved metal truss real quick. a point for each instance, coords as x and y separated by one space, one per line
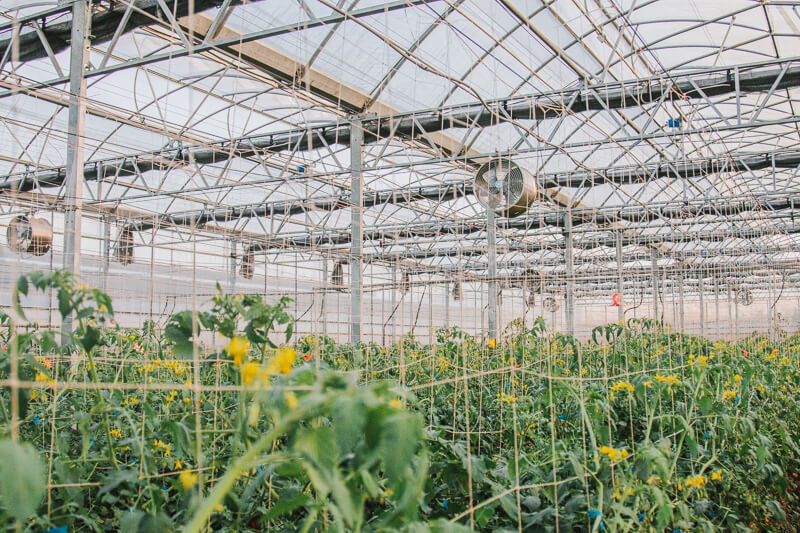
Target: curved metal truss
350 132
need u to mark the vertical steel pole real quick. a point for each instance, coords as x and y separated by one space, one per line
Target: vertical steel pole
430 287
492 242
654 281
769 306
730 310
681 323
394 302
701 288
106 252
447 294
570 264
73 188
232 266
356 200
620 309
716 306
322 305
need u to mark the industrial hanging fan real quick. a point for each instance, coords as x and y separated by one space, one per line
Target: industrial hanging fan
550 304
503 186
456 290
247 267
123 252
744 297
29 235
337 275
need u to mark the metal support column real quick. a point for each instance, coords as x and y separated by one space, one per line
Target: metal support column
394 302
447 294
106 252
681 303
621 308
322 306
570 264
492 242
232 267
654 280
718 329
73 190
701 288
730 309
357 202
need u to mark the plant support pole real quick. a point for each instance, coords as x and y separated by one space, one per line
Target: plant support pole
356 200
73 190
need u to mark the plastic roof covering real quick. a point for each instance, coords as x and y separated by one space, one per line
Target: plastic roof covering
427 56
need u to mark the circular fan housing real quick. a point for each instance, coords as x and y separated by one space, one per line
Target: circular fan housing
28 235
337 276
456 290
744 297
503 186
550 304
123 251
247 268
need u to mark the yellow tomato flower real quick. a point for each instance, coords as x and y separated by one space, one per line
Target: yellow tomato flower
623 385
284 359
237 349
728 395
492 343
696 482
249 372
291 400
716 475
613 453
187 479
397 404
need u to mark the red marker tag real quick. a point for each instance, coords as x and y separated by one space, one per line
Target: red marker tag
616 300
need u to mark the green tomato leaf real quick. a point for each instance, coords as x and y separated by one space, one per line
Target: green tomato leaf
22 479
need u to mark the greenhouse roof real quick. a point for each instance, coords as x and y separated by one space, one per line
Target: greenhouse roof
238 116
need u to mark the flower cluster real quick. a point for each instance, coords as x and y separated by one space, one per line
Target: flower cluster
623 385
507 398
696 482
669 380
160 445
615 454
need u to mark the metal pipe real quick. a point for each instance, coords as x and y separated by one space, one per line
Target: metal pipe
492 260
570 278
356 184
73 193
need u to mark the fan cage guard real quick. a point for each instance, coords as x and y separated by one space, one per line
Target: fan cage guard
29 235
123 252
247 267
550 304
519 188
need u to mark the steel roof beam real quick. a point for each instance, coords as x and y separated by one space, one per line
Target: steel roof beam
104 24
340 237
708 83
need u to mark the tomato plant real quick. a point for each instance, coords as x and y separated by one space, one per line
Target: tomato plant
226 421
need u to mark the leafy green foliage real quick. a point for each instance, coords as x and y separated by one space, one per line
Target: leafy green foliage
638 429
22 480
